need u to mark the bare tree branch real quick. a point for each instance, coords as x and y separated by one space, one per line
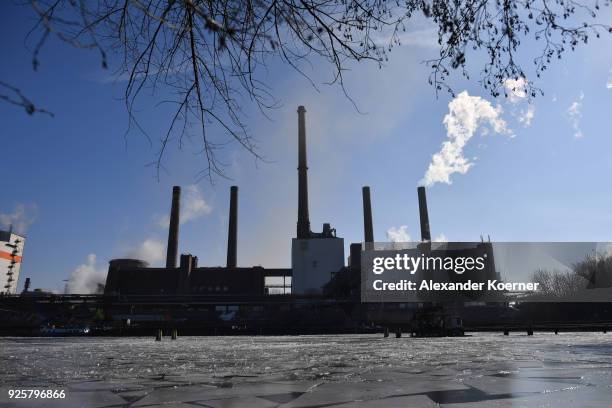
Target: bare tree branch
13 96
211 55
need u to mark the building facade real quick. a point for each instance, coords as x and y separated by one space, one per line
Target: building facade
11 257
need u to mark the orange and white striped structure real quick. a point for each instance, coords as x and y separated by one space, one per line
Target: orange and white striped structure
11 257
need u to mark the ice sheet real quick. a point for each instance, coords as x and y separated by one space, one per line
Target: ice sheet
300 371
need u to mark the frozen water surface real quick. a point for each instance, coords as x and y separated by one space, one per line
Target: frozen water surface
483 370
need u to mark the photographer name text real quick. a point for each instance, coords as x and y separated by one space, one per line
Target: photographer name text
430 285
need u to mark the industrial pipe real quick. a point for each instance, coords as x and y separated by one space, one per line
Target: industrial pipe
303 224
232 235
173 230
368 228
424 216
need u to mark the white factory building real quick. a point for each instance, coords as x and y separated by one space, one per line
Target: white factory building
11 256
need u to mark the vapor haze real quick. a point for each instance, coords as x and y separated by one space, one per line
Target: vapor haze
398 234
574 112
150 250
193 206
401 234
21 218
516 90
86 277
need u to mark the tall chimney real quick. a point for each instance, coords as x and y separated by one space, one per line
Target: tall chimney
173 230
368 229
425 232
232 235
303 224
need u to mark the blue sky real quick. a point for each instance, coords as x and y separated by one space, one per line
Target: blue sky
87 190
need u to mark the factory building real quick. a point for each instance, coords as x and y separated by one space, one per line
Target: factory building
317 258
136 277
11 257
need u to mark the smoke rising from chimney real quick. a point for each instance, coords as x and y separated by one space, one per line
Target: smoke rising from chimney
150 250
401 234
398 234
193 206
20 219
86 278
465 115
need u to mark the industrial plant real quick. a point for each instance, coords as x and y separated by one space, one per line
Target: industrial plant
316 257
320 293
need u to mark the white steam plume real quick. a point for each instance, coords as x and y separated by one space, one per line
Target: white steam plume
21 218
466 114
516 89
398 234
574 112
86 278
193 206
440 238
150 250
525 116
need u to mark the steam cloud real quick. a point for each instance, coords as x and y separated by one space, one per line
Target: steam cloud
193 206
525 116
575 115
86 278
440 238
21 218
466 114
516 89
89 278
400 234
150 250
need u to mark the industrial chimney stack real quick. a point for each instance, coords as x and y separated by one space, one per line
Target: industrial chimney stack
232 236
368 228
173 230
303 224
425 232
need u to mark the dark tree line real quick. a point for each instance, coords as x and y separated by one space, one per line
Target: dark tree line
211 55
594 271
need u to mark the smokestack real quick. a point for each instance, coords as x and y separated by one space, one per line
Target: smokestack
303 224
232 235
425 232
173 230
368 229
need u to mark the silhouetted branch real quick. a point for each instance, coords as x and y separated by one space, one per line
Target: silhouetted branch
211 55
14 96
